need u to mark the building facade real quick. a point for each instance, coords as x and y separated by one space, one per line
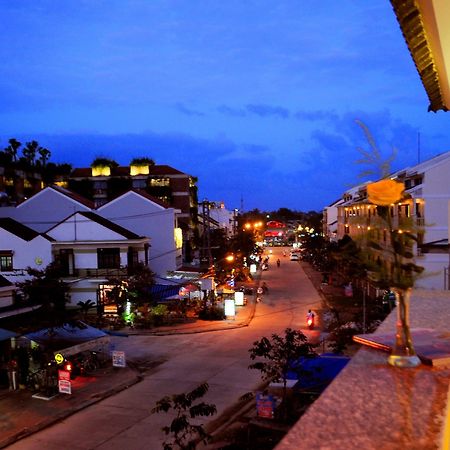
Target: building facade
425 208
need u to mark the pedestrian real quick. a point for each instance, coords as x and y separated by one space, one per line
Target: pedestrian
12 374
278 263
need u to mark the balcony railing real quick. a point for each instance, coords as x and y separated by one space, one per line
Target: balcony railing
100 273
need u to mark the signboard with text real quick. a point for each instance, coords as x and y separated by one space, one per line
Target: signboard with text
265 405
118 359
239 298
65 386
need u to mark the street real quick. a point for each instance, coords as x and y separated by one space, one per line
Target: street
220 358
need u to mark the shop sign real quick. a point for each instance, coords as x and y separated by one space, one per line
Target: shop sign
230 309
118 359
239 298
59 358
65 386
265 405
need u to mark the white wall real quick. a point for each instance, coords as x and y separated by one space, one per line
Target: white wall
436 193
145 218
43 210
81 228
35 253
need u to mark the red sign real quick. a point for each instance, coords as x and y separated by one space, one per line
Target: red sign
265 406
63 375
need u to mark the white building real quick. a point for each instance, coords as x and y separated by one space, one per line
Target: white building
20 248
134 210
147 216
92 249
428 186
46 208
219 218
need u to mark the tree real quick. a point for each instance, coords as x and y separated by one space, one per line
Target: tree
30 151
85 306
12 149
144 161
139 283
44 154
276 357
185 435
47 289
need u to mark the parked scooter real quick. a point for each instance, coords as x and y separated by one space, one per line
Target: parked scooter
310 320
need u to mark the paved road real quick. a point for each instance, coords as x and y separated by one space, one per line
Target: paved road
220 358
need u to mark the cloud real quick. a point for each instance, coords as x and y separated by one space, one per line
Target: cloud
234 112
187 111
268 110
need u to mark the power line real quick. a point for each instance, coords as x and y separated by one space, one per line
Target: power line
134 216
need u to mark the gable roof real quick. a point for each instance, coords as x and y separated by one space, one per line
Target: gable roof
74 196
108 224
61 191
18 229
4 282
141 193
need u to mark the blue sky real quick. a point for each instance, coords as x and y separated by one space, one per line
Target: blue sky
256 98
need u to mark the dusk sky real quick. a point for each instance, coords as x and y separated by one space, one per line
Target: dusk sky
258 99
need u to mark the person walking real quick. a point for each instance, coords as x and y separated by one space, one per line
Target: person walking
278 263
12 374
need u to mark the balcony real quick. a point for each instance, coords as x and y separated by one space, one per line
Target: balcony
99 273
372 405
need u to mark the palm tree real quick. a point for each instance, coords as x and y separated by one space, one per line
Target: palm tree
85 307
12 149
30 151
44 155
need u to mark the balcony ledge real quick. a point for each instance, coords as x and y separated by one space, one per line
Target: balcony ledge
372 405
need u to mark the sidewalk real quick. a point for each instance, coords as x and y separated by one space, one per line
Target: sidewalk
22 415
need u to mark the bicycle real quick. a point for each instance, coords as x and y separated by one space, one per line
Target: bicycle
36 380
89 362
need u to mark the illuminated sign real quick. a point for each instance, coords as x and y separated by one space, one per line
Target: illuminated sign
59 358
230 308
239 298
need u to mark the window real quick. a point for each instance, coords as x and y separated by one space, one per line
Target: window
100 184
160 182
6 261
108 258
139 183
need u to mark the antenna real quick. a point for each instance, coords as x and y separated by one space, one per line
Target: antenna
242 203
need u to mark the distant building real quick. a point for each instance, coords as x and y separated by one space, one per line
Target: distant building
171 186
17 185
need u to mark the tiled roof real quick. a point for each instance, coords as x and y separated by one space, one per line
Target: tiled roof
426 58
74 196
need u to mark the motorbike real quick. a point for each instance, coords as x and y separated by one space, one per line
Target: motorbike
310 321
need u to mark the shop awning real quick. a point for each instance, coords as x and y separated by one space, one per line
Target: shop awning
6 334
163 291
315 374
69 335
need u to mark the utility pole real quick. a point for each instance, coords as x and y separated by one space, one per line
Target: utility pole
206 254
